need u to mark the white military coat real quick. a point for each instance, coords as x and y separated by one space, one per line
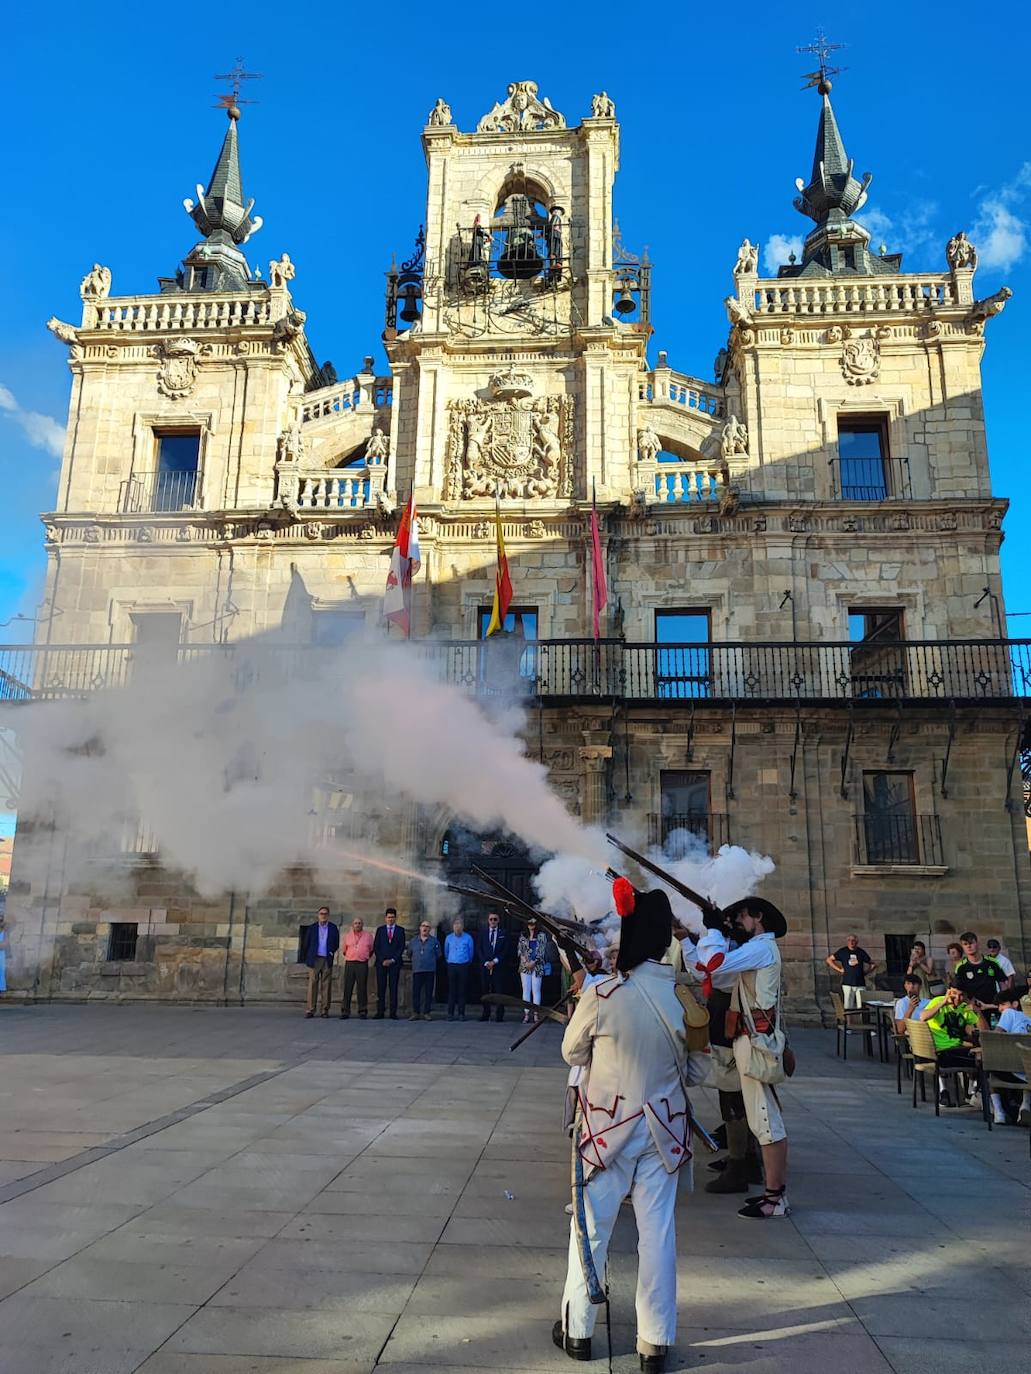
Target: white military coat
629 1033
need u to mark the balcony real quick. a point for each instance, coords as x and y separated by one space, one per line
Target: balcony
165 490
907 840
677 835
559 671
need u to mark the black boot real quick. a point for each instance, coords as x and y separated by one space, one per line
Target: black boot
653 1361
576 1348
735 1177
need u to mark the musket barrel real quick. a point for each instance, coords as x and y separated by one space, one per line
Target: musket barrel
703 903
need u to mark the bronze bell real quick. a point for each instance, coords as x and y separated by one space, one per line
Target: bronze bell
625 305
520 259
409 296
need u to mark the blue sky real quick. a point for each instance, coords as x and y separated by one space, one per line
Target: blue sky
110 124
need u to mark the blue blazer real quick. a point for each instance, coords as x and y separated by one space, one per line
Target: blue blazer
483 947
389 949
311 943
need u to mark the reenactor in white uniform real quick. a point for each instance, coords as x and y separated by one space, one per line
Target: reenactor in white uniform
634 1126
751 973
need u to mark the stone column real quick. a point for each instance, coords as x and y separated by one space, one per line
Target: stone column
593 803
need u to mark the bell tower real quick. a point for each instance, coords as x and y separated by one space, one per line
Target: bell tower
509 325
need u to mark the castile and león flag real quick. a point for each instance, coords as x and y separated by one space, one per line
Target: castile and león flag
404 564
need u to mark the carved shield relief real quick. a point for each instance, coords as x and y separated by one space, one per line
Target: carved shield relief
516 449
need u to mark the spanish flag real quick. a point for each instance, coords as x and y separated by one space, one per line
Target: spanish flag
502 582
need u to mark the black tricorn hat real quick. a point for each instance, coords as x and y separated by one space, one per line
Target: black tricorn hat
772 917
645 926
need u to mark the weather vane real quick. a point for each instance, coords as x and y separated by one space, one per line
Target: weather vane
232 102
821 49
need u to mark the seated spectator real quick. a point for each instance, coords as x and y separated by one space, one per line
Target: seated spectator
1014 1021
1005 963
954 1027
978 976
1025 1001
911 1004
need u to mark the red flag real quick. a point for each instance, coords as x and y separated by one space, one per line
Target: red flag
599 592
502 583
404 564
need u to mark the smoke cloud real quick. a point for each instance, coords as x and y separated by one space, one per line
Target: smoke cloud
236 762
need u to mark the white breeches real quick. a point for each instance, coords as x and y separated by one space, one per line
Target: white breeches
531 987
761 1110
637 1170
852 997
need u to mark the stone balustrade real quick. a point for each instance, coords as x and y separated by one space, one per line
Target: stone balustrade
858 295
664 386
332 489
363 393
678 483
179 312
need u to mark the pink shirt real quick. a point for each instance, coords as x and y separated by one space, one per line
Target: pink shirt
358 946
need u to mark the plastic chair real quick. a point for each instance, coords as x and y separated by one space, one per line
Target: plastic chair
843 1028
925 1061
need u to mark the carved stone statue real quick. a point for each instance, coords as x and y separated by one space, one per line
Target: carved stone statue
479 249
65 332
649 445
440 115
960 252
288 327
747 259
555 233
736 312
734 439
861 360
602 107
96 284
983 310
378 447
282 271
522 110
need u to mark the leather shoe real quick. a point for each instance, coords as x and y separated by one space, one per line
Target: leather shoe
308 1015
653 1359
378 1016
577 1348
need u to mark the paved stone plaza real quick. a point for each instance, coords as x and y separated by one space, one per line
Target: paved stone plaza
247 1192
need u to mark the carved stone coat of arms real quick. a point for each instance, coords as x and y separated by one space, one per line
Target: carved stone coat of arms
178 366
511 445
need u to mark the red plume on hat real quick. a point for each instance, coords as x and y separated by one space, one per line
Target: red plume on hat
624 896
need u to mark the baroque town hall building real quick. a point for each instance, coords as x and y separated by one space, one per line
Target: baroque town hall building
802 651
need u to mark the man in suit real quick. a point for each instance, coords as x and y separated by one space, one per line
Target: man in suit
321 942
388 946
491 954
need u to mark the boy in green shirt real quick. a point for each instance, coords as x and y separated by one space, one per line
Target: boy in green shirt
953 1023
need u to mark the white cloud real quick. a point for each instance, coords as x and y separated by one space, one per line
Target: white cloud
914 231
40 430
777 249
999 233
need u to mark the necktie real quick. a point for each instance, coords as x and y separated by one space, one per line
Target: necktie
493 937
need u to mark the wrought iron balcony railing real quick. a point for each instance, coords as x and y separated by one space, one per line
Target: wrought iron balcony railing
557 670
159 491
676 834
871 479
898 839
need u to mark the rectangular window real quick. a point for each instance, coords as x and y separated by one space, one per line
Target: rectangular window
331 628
896 954
684 810
877 665
521 622
683 670
178 459
889 826
862 457
121 943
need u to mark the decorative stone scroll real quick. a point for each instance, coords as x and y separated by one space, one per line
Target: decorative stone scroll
521 112
510 445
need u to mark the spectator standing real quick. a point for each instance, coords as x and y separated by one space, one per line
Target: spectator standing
388 946
425 951
911 1004
953 954
357 953
321 942
853 963
490 954
978 976
458 955
923 967
994 950
532 953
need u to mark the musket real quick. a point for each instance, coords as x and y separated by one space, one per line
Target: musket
560 930
502 999
705 905
517 907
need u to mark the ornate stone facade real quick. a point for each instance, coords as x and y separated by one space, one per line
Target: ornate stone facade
511 376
